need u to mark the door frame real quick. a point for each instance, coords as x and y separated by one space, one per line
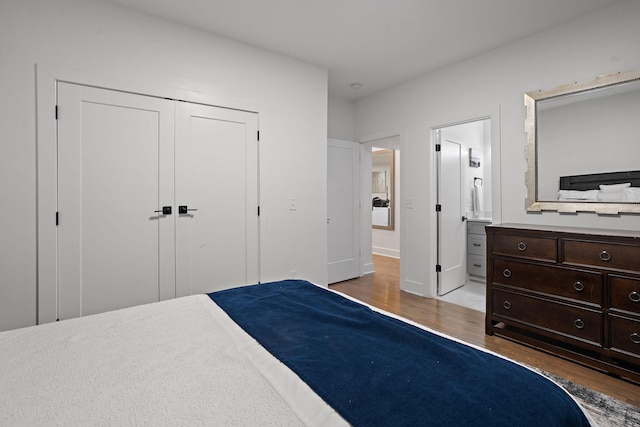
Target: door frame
47 77
496 183
366 253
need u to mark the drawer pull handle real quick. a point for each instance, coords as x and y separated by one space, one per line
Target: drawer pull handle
634 296
522 246
578 286
507 305
506 273
579 323
635 337
605 256
477 265
477 245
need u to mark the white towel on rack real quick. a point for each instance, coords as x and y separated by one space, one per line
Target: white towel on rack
475 199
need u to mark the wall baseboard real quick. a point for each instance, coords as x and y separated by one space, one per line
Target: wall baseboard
394 253
413 287
367 269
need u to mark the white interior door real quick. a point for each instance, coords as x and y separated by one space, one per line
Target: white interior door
343 195
217 243
115 171
122 158
452 231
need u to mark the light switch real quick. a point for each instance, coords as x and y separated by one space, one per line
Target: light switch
409 204
293 204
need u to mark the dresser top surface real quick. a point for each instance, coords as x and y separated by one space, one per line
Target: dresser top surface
479 219
576 230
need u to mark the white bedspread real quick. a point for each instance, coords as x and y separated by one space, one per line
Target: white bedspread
177 362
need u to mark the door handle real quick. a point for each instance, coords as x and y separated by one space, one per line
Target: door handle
183 209
166 210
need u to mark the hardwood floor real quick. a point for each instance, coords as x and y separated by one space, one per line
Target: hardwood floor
382 290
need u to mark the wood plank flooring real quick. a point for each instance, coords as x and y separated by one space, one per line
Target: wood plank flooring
382 290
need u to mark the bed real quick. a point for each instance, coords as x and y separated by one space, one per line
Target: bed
280 353
614 187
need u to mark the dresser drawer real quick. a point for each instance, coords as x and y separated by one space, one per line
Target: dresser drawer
624 293
553 317
476 244
598 254
580 285
476 265
571 291
538 248
625 335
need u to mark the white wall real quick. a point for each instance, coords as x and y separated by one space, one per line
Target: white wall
493 85
118 44
473 135
341 119
487 185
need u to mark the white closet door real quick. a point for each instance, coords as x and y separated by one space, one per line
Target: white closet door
115 168
343 209
217 243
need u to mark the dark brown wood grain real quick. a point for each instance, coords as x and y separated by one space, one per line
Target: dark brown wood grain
541 248
567 298
574 284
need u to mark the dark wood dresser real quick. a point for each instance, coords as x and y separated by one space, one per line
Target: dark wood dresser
574 292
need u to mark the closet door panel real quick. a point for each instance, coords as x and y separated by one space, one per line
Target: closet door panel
115 168
216 179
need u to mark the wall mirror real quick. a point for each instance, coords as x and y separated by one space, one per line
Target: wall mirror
382 189
583 146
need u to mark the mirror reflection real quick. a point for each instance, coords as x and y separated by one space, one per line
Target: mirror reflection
587 134
583 146
382 189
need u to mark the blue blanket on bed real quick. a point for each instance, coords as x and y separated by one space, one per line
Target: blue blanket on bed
375 370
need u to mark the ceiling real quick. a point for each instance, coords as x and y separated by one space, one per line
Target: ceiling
376 43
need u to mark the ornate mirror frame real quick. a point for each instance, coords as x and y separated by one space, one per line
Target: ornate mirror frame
531 176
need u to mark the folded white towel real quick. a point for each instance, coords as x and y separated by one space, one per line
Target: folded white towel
475 200
614 187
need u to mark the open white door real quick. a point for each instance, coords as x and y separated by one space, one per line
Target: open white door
343 209
451 225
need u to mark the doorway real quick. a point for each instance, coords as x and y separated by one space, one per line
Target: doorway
463 162
381 197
